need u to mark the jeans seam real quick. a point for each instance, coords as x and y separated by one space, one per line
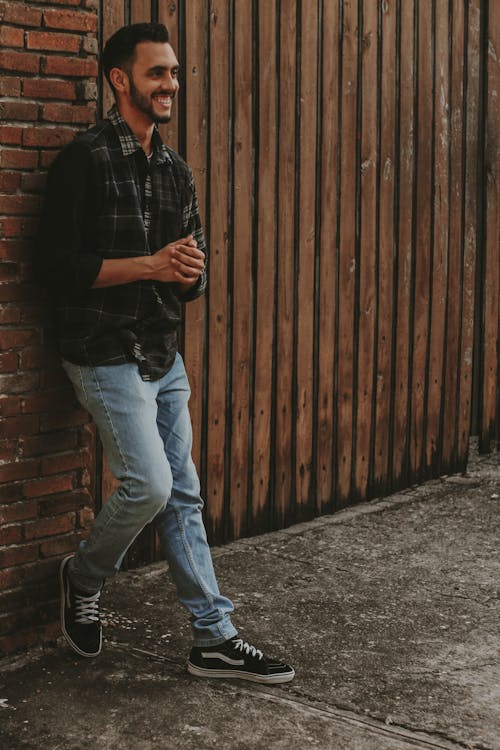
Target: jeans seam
190 558
110 421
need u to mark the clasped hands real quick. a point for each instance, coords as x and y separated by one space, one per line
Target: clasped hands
180 262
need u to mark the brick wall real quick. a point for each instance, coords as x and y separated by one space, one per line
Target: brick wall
47 91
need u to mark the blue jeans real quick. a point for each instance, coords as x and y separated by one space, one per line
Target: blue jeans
145 429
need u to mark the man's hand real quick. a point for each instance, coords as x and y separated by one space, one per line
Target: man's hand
180 262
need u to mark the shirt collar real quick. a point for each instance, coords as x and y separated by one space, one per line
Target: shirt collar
129 142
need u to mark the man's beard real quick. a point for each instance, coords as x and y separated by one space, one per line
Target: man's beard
144 104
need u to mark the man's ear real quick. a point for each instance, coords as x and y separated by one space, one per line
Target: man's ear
119 80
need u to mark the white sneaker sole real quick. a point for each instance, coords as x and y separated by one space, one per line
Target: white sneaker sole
240 675
63 628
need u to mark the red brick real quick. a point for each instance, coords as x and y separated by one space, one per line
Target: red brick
10 534
11 134
19 382
69 19
24 205
64 462
20 14
64 503
86 518
13 158
61 545
8 362
59 2
16 292
56 41
39 88
10 493
70 66
26 424
10 556
10 86
58 421
67 113
49 526
48 486
50 401
9 271
36 356
18 511
45 444
10 405
11 36
47 157
9 450
47 137
23 62
13 250
19 470
9 181
9 314
15 338
33 182
20 110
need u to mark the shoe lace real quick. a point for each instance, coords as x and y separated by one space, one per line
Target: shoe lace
242 645
87 608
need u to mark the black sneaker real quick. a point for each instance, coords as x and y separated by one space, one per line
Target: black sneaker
80 621
237 659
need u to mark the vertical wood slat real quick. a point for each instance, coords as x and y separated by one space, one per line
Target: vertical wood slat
241 251
441 191
452 378
368 302
265 301
470 228
329 250
347 257
383 435
306 254
215 439
285 271
490 416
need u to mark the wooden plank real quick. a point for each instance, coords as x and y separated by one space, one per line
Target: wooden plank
367 249
241 250
406 168
196 144
218 267
490 407
266 266
168 14
347 260
422 256
306 257
285 309
471 229
439 288
113 17
325 468
386 248
140 11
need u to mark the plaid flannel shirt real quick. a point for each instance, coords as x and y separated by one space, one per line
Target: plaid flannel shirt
105 199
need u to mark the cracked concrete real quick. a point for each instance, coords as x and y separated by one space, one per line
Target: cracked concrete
389 611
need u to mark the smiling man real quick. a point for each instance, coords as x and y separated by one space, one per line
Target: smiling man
121 248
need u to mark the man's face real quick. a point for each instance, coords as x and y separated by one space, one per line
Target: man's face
153 80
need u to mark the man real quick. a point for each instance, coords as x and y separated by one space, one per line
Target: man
121 247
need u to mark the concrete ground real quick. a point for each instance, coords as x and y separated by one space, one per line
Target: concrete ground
389 612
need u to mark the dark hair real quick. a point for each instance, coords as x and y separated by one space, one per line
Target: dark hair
119 49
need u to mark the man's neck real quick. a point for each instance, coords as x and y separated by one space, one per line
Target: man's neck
140 125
